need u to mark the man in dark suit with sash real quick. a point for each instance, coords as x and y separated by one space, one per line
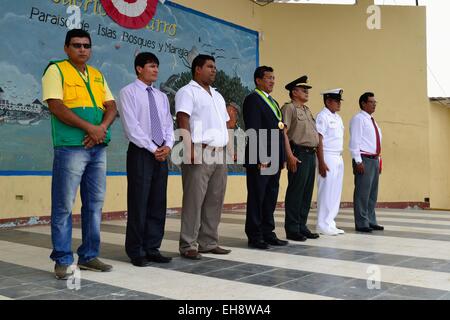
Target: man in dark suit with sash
264 159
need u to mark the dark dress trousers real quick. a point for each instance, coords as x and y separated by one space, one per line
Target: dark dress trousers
147 202
262 190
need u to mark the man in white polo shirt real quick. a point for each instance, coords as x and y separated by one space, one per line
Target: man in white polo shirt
202 114
331 165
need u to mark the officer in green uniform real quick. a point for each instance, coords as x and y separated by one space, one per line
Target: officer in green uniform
302 140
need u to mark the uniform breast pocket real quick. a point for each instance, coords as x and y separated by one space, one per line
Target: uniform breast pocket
301 116
336 128
74 90
332 125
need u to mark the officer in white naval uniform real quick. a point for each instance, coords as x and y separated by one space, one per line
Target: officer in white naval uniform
331 165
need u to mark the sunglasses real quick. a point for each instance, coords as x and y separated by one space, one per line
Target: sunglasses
79 45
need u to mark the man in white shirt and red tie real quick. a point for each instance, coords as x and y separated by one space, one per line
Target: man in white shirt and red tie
147 122
365 147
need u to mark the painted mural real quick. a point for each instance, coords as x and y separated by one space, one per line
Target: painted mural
33 33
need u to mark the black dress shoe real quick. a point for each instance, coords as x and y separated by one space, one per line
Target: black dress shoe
158 258
296 237
140 262
363 229
376 227
258 244
276 242
308 234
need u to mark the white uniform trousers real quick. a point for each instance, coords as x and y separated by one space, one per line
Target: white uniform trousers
329 193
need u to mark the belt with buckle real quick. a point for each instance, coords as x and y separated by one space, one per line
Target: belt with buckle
370 156
307 149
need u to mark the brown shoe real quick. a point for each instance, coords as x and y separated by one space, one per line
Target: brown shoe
217 250
192 254
61 271
95 265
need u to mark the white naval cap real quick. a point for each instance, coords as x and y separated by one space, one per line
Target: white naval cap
335 94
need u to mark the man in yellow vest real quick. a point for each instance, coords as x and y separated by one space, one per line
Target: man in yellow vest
82 108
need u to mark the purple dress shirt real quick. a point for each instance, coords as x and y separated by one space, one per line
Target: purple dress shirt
135 115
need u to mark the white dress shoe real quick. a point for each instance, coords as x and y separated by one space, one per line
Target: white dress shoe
327 232
339 231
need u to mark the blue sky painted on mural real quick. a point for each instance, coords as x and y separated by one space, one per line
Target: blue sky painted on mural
29 44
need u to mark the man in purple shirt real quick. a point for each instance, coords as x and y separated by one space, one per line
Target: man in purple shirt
147 122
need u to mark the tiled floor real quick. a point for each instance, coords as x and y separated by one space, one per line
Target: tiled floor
409 260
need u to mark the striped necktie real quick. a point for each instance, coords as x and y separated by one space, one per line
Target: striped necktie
157 134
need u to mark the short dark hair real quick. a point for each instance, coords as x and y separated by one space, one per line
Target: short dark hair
77 33
365 97
199 61
259 72
143 58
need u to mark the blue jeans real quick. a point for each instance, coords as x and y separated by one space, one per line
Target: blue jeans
73 167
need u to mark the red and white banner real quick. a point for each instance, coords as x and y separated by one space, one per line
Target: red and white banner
132 14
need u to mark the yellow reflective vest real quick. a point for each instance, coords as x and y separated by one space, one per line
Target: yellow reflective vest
84 97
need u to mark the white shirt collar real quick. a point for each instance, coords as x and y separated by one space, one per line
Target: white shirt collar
265 93
365 114
196 84
329 112
142 85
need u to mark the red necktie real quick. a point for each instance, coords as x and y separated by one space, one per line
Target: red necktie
378 137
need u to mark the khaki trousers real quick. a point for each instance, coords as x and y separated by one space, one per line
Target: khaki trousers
203 194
